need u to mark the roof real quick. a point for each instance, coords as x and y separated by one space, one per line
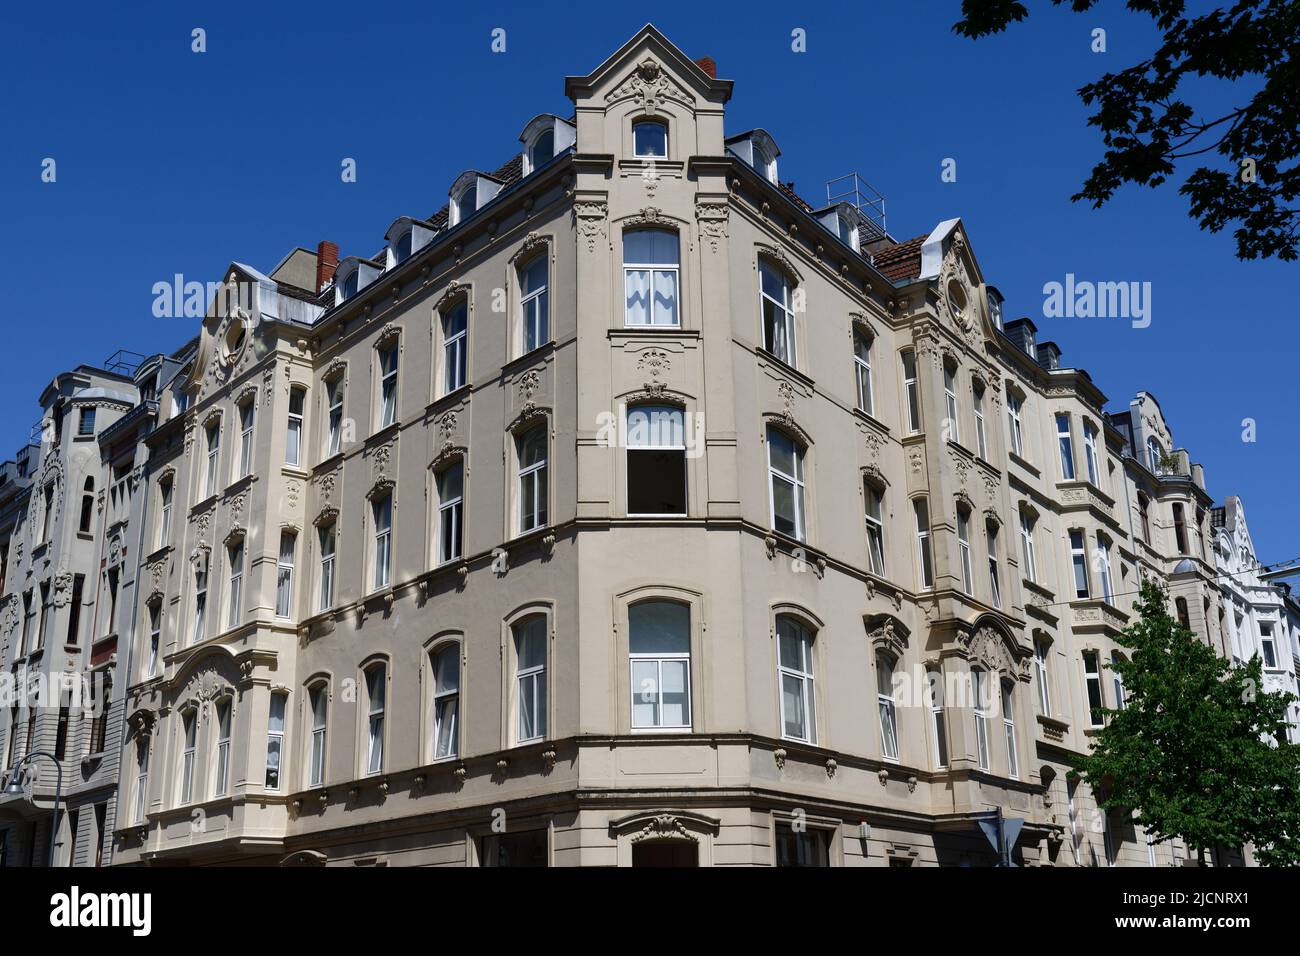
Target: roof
900 261
507 175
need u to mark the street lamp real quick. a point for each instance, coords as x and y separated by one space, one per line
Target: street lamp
14 788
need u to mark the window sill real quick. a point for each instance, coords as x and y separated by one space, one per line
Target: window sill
328 463
239 484
387 431
448 398
871 419
783 366
157 553
204 503
1023 463
85 536
528 358
629 331
295 471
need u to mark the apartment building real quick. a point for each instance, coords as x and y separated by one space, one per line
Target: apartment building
630 510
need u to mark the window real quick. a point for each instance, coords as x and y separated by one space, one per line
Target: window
888 707
1067 451
200 605
284 575
275 740
247 412
455 338
327 547
1180 605
795 675
1027 545
214 457
656 460
659 646
776 296
87 506
1103 570
995 583
47 610
1079 560
74 611
807 847
376 680
980 689
534 306
446 702
862 368
925 560
1117 680
155 639
189 729
382 511
166 492
963 547
402 249
530 678
650 140
531 449
912 392
1092 677
28 614
1009 727
466 204
293 441
1042 654
542 151
875 529
786 478
61 734
318 698
650 277
388 386
334 434
950 402
47 514
110 619
1013 423
1267 644
234 611
1154 454
141 778
222 761
1180 529
86 422
1144 510
981 441
938 715
1090 454
451 499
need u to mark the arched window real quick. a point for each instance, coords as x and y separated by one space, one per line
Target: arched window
1154 455
275 738
795 676
318 701
656 460
950 401
445 665
376 698
87 506
531 452
455 342
651 265
166 495
534 303
350 284
1042 674
450 483
387 397
776 296
1009 727
650 139
1180 607
887 705
141 778
659 649
466 204
1117 679
786 480
1180 529
402 250
542 151
530 678
980 704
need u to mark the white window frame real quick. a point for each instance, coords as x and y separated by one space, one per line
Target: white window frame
950 400
538 476
875 509
650 122
1103 570
659 658
296 432
653 270
1066 446
981 439
1009 728
189 737
318 741
221 780
155 637
167 492
785 314
924 552
381 513
446 703
911 392
995 577
334 416
247 422
1042 671
388 383
1117 682
1027 546
887 707
376 684
141 779
1092 678
795 481
1014 404
1090 454
214 458
200 623
451 514
455 348
979 690
963 548
1268 645
327 534
1079 564
862 342
536 675
284 574
275 737
234 611
534 305
803 674
938 715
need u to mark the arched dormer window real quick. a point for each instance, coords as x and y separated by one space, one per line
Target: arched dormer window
650 139
402 248
466 203
542 150
545 137
758 149
651 265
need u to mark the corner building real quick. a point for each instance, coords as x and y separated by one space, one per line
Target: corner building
627 510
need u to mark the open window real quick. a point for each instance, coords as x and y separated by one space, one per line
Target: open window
656 460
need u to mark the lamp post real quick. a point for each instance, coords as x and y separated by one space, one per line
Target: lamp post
15 788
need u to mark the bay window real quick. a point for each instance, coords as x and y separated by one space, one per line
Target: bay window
651 269
659 648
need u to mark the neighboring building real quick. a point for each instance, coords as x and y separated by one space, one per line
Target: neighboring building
59 644
631 510
1262 617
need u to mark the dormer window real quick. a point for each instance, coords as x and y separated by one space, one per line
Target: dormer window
843 220
995 307
650 140
542 150
350 285
402 250
406 237
467 204
759 150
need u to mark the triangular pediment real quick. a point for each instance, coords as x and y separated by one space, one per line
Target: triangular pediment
652 70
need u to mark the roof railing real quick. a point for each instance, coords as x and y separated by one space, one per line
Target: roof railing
124 362
861 195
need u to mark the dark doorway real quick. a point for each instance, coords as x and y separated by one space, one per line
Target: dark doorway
665 853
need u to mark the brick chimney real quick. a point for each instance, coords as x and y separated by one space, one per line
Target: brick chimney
706 64
327 260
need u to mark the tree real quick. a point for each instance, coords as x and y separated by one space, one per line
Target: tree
1199 750
1147 126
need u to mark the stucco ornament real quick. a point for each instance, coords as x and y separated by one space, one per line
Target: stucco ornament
664 827
712 216
651 86
591 216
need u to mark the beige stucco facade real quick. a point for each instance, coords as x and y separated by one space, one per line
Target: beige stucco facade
337 415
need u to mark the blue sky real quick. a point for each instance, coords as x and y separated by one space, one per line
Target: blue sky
171 161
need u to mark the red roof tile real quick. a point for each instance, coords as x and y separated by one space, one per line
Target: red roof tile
900 261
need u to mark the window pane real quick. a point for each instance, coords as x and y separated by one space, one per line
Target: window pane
637 290
676 696
665 304
792 690
645 693
531 643
659 627
784 506
650 139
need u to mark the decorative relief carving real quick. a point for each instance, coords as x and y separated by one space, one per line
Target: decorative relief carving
651 87
592 220
713 218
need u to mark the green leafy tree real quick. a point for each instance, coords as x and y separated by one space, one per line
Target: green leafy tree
1199 750
1149 123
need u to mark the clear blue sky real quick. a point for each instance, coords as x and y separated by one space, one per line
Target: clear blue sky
170 161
